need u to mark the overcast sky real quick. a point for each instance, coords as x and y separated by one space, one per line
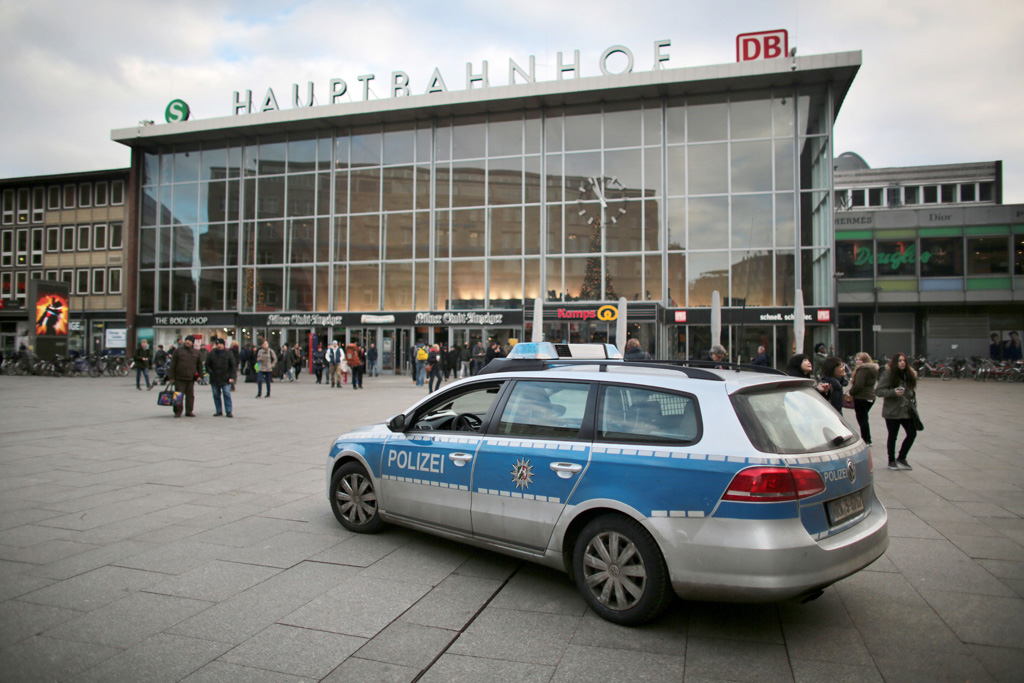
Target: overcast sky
940 80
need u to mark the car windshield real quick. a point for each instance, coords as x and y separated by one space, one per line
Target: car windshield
791 420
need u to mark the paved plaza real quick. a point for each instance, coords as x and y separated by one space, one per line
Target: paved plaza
137 547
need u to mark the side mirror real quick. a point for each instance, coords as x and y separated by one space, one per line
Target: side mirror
397 423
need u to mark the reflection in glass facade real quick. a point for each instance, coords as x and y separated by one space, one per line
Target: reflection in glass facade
660 200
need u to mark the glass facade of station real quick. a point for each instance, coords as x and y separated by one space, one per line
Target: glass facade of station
659 200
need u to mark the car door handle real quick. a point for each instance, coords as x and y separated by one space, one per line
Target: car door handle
460 459
565 470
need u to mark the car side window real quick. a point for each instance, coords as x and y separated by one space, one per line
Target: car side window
545 409
644 415
460 411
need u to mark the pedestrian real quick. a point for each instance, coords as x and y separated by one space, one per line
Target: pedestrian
355 363
634 351
421 354
184 372
761 359
995 349
371 361
246 361
286 363
223 371
334 360
454 359
297 361
266 361
143 357
478 359
465 357
1012 350
433 368
443 359
897 386
833 379
862 388
799 366
717 355
319 358
818 359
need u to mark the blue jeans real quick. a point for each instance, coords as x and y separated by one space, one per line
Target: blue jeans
260 378
421 372
371 368
144 372
225 391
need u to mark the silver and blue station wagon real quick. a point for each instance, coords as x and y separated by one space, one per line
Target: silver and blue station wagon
642 480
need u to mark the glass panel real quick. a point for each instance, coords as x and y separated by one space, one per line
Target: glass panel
468 281
441 299
421 293
505 181
624 231
622 125
211 245
855 258
186 165
652 278
545 410
505 135
398 234
183 291
752 278
676 223
750 117
424 136
300 289
785 220
185 208
752 221
707 272
397 188
1018 249
579 167
506 231
675 121
397 286
652 172
638 415
553 126
625 166
582 128
533 128
531 276
301 155
340 300
212 201
784 164
164 253
423 187
713 162
783 109
341 192
469 137
988 256
676 170
364 239
652 122
423 232
442 235
270 242
323 194
468 233
468 183
366 144
399 144
442 186
184 245
554 177
150 169
506 288
752 166
554 290
323 284
581 236
303 238
211 289
653 235
301 195
150 200
323 152
624 277
708 222
341 152
269 289
271 198
365 191
215 164
531 230
706 120
272 157
443 142
234 200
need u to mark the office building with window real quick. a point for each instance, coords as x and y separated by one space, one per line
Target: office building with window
443 215
928 258
70 228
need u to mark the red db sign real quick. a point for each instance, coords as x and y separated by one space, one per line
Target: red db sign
762 45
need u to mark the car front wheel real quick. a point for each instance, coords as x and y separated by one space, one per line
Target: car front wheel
354 499
620 571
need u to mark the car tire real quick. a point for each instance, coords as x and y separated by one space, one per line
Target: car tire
620 571
354 499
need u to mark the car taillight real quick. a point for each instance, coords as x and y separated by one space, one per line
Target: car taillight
773 485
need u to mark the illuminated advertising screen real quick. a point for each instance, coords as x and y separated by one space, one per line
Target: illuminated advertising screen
49 307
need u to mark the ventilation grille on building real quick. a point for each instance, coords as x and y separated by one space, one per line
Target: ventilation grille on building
960 326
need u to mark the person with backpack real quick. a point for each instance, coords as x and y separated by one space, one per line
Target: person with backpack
421 362
335 357
354 359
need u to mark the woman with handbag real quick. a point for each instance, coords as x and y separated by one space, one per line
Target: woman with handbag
862 391
897 387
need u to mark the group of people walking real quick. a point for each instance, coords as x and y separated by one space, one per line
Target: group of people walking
895 384
431 363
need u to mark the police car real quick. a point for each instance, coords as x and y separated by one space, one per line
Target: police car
640 479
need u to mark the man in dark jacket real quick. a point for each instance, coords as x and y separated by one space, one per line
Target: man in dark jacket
183 372
220 363
761 358
143 356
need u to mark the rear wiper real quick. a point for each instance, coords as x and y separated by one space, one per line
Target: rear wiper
840 440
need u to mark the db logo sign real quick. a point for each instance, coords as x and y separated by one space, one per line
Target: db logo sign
762 45
824 316
680 316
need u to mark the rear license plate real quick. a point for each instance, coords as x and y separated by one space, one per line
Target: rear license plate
842 509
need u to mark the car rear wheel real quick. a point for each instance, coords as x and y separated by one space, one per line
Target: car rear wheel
354 499
620 571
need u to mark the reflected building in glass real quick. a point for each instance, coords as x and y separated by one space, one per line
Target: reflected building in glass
443 216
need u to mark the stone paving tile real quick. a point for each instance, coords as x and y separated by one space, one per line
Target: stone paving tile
981 619
453 602
362 551
735 660
909 666
988 548
47 659
735 621
827 644
828 611
529 637
453 668
593 663
814 671
297 651
176 558
92 559
94 589
663 636
214 582
539 589
19 620
423 559
45 552
128 621
222 672
283 550
407 645
15 585
31 534
246 532
1002 663
160 658
939 565
356 669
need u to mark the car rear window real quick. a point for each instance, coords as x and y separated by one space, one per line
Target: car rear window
790 420
642 415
